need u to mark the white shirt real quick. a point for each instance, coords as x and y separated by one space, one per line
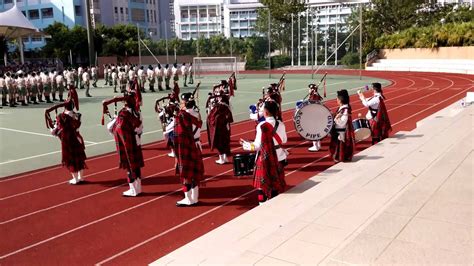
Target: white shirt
93 71
59 79
114 75
150 73
80 70
281 131
2 83
85 76
159 72
341 122
131 74
174 71
373 103
20 82
141 73
184 70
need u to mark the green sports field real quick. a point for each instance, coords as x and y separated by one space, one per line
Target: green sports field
26 143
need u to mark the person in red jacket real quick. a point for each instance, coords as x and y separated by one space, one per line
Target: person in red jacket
218 126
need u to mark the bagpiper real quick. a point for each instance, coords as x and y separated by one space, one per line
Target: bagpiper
66 128
127 127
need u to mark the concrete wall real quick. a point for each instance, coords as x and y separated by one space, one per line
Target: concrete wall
465 52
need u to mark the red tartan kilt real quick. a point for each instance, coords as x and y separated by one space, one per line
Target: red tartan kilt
73 155
340 151
130 154
373 128
191 171
262 181
222 140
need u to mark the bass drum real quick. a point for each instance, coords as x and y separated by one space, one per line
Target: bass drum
313 121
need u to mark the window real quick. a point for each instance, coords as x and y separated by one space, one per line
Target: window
36 39
33 14
25 39
121 10
24 13
77 10
7 1
138 1
47 12
116 10
138 14
147 15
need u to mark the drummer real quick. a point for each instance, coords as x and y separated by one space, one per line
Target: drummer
314 97
269 175
377 114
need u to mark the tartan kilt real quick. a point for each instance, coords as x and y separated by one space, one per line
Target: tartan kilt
130 154
376 131
40 88
73 153
342 151
160 79
190 166
263 181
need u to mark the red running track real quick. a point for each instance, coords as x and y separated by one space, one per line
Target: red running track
46 221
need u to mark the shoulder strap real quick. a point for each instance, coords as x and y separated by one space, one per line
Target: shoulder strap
274 133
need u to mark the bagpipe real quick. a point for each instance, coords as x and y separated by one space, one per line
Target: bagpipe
167 110
313 88
72 99
132 98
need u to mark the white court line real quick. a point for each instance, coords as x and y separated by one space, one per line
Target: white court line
35 133
141 204
54 152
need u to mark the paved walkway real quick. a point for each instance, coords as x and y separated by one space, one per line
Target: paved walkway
406 200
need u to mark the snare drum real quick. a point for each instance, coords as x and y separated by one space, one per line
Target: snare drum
313 121
361 129
244 164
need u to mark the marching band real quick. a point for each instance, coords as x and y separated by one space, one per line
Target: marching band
265 157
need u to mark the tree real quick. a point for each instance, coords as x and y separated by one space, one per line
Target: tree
281 12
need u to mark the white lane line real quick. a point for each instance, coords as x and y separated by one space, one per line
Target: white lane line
98 192
197 217
117 213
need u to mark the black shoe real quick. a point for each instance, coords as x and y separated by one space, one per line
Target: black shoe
185 205
35 103
88 95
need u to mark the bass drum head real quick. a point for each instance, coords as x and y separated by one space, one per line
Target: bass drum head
313 121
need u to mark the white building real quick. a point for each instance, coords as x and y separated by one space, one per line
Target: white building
212 17
240 17
332 12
